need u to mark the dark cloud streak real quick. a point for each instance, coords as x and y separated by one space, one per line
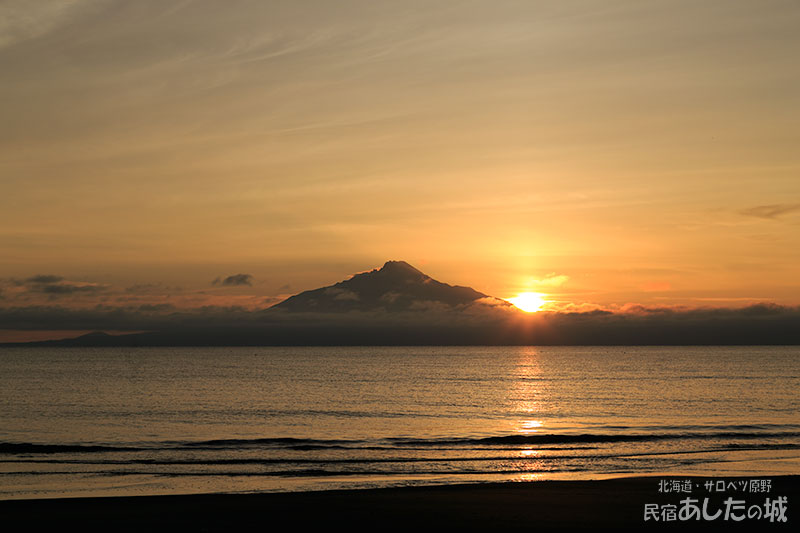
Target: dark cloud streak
70 288
44 278
771 212
234 280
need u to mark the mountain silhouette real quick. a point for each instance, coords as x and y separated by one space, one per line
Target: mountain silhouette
397 286
397 305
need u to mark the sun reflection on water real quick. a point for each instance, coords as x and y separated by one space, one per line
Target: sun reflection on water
527 400
529 476
530 426
526 393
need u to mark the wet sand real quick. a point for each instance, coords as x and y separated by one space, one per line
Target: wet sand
532 506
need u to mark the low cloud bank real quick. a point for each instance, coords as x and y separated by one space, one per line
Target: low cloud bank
477 324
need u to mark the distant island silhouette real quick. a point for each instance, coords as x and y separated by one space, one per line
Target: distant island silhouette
398 304
397 286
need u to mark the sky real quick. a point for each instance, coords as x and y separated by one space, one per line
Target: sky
605 154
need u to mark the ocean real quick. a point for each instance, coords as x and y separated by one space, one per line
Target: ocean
141 421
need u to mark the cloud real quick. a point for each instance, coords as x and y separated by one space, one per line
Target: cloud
770 212
764 323
491 301
54 285
143 288
129 318
551 280
429 305
21 20
70 288
156 308
234 280
269 301
390 297
44 278
342 294
152 288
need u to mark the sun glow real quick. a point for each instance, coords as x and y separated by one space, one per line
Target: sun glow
530 302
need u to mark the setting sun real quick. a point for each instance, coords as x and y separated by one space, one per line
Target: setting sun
530 302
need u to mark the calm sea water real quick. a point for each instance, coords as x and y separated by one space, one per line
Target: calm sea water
86 422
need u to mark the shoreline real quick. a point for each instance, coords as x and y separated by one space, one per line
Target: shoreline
615 502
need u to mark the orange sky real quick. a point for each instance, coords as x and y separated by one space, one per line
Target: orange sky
602 153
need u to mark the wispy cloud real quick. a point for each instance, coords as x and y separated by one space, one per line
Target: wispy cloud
551 280
21 20
773 211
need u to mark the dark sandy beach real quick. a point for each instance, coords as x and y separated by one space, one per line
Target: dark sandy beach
544 505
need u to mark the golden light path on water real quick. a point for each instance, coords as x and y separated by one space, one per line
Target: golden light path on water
527 395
